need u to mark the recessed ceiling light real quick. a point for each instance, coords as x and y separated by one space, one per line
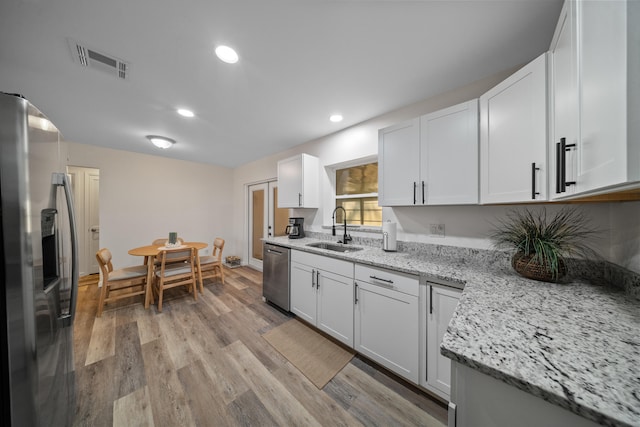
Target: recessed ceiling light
161 141
226 54
335 118
185 113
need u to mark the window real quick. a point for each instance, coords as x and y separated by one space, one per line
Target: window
357 193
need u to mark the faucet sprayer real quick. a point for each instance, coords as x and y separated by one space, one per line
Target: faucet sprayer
345 238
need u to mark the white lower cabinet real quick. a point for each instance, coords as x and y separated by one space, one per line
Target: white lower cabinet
386 319
322 293
440 304
480 400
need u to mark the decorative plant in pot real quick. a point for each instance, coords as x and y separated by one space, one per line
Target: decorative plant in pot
543 245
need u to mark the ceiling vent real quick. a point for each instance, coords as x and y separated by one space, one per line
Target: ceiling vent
92 58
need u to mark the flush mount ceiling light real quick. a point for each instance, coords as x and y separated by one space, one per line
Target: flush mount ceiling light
227 54
161 141
335 118
185 113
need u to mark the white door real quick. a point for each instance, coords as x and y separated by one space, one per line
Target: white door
265 219
398 164
335 305
441 304
86 191
513 137
303 292
449 156
386 328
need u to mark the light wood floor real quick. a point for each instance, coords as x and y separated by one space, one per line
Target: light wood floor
205 363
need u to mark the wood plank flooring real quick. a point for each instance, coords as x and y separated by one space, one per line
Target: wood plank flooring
204 363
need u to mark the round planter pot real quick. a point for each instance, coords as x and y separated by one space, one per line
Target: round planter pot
527 267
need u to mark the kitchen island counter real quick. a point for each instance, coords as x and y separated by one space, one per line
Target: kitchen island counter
575 344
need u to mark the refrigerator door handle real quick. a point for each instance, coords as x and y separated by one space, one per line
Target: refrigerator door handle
60 179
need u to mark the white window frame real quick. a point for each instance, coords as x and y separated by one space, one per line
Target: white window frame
331 171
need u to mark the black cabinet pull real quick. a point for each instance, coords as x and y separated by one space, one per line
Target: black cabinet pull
534 193
317 279
430 299
414 192
355 293
313 278
300 199
558 169
564 174
423 192
382 280
563 165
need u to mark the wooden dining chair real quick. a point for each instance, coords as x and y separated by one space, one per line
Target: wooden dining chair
124 279
176 269
211 266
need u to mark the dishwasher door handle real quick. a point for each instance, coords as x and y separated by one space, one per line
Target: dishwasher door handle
273 251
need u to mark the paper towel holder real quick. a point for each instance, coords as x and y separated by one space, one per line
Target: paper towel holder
389 243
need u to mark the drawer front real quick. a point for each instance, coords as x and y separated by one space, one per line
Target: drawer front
401 282
337 266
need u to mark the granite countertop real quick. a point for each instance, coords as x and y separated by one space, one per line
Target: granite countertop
574 344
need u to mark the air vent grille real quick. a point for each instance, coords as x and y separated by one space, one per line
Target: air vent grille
93 58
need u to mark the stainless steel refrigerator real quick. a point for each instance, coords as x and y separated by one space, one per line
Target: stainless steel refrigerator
38 270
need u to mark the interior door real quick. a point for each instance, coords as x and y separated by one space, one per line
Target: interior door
266 219
86 191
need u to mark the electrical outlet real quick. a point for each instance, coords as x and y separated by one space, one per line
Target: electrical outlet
437 230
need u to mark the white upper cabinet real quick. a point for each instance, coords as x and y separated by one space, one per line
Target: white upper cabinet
398 164
595 88
513 137
299 182
449 156
432 160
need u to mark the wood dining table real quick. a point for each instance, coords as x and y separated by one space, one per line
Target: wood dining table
150 253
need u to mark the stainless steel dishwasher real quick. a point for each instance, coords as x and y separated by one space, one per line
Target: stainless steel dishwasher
275 275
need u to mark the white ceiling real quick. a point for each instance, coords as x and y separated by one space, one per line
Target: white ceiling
300 61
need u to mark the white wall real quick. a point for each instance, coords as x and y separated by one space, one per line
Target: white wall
144 197
625 235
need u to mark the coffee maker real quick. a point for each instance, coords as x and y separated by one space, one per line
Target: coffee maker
295 229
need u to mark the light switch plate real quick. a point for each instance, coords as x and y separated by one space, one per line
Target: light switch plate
436 230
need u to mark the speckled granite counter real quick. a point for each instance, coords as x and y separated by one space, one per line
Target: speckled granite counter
576 345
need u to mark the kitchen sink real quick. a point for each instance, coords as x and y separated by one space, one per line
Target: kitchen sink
336 247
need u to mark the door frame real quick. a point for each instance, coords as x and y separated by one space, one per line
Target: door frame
264 187
87 261
269 218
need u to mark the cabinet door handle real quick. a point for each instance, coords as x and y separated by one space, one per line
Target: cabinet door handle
566 147
313 278
563 165
382 280
317 279
558 169
299 199
355 293
534 193
414 192
423 192
430 299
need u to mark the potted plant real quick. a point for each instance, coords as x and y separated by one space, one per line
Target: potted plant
542 245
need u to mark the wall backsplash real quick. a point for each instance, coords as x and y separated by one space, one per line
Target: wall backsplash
595 271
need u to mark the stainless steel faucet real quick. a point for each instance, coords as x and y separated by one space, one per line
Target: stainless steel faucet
345 238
